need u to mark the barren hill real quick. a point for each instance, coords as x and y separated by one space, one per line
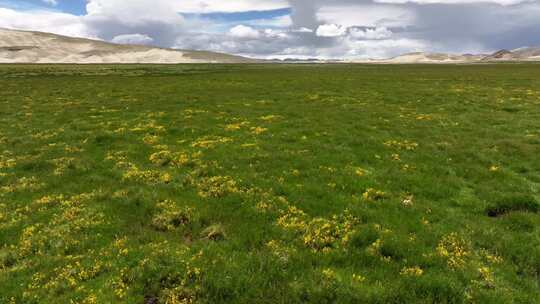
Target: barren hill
37 47
521 54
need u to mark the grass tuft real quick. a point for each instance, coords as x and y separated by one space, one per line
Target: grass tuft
517 203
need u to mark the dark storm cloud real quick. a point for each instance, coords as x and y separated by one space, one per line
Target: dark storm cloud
491 26
304 13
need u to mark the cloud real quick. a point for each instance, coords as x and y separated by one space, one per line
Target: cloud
134 12
304 13
367 14
211 6
303 30
481 27
157 19
133 39
386 48
501 2
377 33
279 22
331 30
313 28
47 21
242 31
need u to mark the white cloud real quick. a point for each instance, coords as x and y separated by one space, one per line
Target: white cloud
377 33
303 30
46 21
501 2
354 49
242 31
157 19
331 30
133 39
379 49
366 15
212 6
281 21
134 12
271 33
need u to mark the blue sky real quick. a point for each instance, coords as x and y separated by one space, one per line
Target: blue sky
76 7
242 16
290 28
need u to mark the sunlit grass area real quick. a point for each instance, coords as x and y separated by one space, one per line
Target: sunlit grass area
270 184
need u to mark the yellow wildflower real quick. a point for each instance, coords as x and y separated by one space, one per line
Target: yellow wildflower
414 271
455 249
258 130
373 195
358 278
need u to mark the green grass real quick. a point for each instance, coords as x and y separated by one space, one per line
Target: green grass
270 184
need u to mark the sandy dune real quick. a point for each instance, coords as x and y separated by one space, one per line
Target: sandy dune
36 47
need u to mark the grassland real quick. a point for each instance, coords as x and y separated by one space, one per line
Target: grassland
270 184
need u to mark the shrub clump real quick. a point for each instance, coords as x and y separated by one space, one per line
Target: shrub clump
161 158
454 249
147 176
321 234
373 195
177 159
177 295
7 259
217 186
170 216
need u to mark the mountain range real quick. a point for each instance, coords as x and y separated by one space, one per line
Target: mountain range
37 47
521 54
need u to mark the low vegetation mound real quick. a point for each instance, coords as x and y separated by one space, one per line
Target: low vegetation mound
521 203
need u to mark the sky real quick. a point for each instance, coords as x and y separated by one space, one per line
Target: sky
324 29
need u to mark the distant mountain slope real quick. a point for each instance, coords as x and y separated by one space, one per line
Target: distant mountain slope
433 58
37 47
499 55
521 54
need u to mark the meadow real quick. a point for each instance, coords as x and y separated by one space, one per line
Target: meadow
270 184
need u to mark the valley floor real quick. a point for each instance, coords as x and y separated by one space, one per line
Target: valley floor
270 184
